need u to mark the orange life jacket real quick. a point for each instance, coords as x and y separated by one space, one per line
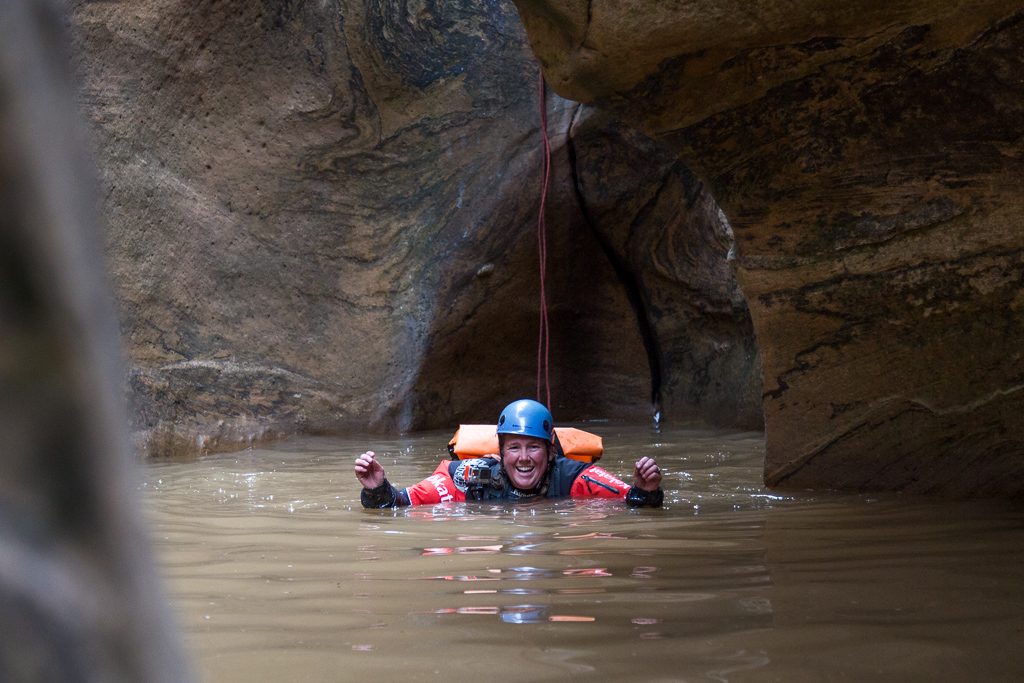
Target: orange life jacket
476 441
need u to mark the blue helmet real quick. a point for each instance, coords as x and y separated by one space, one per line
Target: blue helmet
526 417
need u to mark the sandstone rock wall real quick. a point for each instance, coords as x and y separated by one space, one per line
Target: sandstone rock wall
868 156
321 216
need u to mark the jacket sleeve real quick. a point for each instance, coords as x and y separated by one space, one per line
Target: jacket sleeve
594 482
439 487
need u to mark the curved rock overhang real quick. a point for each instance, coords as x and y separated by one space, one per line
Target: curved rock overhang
868 156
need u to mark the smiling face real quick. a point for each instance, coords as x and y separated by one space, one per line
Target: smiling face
526 460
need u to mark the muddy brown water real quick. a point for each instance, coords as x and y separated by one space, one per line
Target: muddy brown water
277 574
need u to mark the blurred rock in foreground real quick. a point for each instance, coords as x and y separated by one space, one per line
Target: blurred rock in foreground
79 601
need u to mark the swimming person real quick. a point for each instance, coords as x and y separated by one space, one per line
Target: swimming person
528 468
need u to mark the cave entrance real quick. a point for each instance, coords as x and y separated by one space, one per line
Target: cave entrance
646 316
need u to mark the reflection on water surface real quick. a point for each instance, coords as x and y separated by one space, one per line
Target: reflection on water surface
278 574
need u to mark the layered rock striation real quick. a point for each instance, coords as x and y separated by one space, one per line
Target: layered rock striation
868 157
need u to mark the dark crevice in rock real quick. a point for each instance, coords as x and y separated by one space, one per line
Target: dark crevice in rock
586 33
622 270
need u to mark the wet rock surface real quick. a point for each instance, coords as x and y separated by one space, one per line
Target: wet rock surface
868 158
321 217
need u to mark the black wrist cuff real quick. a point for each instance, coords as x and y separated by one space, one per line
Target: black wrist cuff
383 496
641 498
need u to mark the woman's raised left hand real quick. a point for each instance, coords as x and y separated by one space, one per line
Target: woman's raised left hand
647 474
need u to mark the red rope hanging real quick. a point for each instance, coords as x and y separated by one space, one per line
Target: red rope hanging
544 338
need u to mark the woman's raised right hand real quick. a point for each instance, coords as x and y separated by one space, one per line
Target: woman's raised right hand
368 471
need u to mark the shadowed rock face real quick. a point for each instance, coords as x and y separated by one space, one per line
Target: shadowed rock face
669 242
322 217
868 157
79 599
